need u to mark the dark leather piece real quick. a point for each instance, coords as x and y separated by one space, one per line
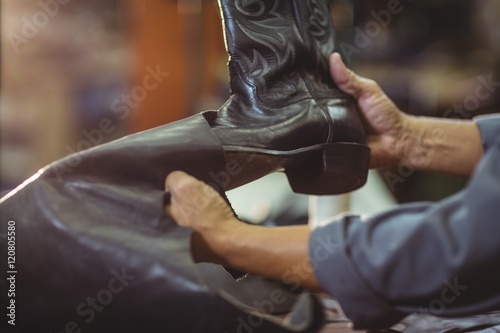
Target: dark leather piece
415 323
93 226
284 107
282 96
429 324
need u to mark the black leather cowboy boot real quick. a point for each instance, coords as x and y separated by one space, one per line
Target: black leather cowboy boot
285 112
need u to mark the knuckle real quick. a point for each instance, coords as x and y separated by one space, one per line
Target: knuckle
352 77
186 187
372 85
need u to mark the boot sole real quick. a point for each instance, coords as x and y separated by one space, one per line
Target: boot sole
325 169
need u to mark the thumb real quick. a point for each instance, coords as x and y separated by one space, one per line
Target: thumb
343 77
186 189
183 190
189 196
178 182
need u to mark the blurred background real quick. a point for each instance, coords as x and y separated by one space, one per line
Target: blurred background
76 73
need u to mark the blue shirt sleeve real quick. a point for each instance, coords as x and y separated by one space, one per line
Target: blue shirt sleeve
489 126
437 258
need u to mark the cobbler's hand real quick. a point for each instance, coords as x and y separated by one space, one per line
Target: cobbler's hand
383 121
196 205
219 237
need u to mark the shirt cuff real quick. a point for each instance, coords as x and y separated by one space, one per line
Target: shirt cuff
338 276
489 126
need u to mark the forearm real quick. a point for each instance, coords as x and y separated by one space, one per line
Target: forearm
440 145
269 252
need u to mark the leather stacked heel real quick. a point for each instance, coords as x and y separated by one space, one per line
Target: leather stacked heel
284 107
336 168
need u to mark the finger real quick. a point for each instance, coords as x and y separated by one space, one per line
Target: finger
172 179
189 196
180 185
347 80
184 190
341 75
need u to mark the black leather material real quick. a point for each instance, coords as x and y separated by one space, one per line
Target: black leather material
416 323
284 105
93 226
282 96
428 324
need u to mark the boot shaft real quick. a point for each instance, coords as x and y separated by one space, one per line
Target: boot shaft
279 77
273 45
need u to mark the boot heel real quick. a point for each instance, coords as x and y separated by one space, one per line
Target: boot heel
338 168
